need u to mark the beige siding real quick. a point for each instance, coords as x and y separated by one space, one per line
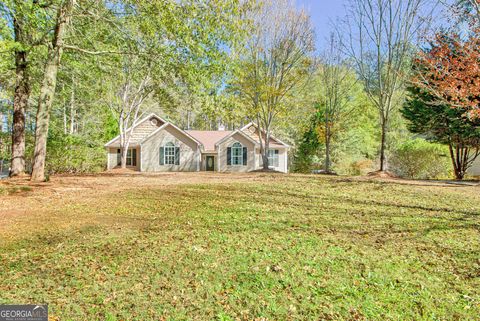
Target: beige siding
189 152
254 134
222 155
475 169
282 160
112 158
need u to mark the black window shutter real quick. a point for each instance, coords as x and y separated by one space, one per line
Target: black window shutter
177 155
229 156
134 157
119 157
245 156
162 158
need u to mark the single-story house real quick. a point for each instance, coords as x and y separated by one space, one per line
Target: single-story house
157 145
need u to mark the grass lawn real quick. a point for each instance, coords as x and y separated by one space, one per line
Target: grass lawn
241 247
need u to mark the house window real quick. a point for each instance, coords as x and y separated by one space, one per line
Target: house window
131 157
237 154
169 154
273 157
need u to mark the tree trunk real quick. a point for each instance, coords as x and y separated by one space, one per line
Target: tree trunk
327 153
327 143
457 166
64 118
47 91
266 146
383 145
43 118
20 102
123 159
72 108
265 159
124 140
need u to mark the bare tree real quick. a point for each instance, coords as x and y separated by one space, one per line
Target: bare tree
128 102
381 38
475 6
275 63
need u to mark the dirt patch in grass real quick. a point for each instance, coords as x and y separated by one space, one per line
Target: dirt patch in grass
381 174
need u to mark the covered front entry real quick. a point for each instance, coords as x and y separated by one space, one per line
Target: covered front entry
210 163
133 158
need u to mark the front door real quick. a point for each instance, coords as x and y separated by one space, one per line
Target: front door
210 163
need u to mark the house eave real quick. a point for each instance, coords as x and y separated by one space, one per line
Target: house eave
177 128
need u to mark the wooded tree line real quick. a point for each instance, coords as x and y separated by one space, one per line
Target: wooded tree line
74 69
416 74
74 74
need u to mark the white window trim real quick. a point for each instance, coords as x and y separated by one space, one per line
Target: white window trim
168 146
272 158
232 157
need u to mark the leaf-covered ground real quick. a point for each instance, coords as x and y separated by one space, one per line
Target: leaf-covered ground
228 247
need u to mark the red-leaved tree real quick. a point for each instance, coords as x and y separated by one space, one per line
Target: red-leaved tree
451 71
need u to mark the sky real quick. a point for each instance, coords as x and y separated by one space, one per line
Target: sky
323 13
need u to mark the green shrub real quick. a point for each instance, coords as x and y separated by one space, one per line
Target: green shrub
74 154
420 159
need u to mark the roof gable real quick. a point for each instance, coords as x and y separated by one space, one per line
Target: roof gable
185 133
238 131
251 129
141 130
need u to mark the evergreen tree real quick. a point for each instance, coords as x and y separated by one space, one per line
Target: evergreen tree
446 125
